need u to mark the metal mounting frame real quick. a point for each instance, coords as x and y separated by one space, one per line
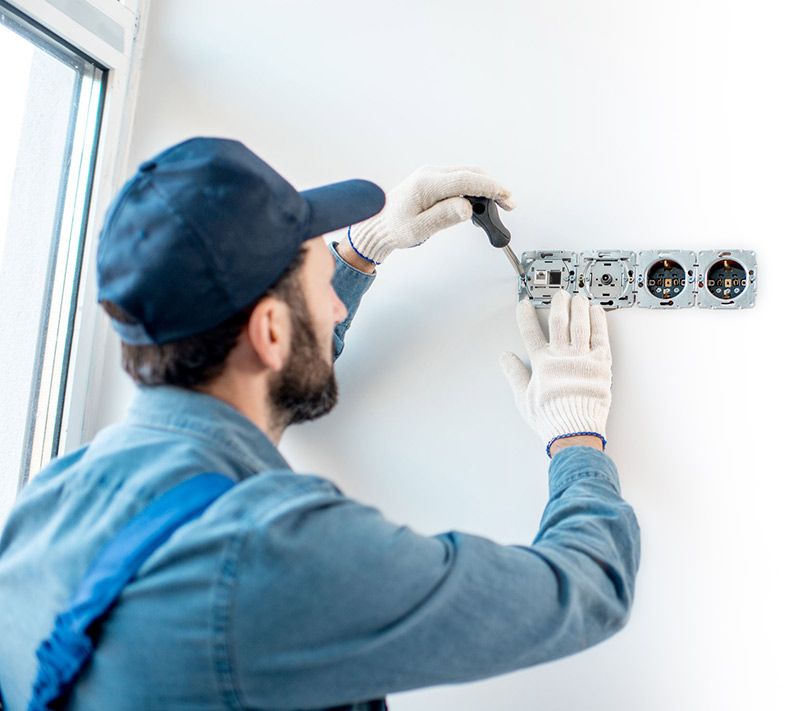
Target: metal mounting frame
617 278
607 277
540 281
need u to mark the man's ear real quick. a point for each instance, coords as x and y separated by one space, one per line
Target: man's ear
269 332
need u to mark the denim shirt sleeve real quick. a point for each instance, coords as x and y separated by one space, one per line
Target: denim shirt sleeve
374 608
350 285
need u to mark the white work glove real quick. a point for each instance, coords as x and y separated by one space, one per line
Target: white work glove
427 201
568 390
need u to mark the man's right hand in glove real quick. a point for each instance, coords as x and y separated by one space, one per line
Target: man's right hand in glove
429 200
565 395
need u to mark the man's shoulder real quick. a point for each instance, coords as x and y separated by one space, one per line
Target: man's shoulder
261 498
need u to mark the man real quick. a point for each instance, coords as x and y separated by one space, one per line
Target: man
283 593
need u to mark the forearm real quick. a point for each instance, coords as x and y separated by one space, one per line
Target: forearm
350 283
589 522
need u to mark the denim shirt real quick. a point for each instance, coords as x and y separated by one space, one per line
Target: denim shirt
287 594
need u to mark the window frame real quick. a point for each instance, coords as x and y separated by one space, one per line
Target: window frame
109 33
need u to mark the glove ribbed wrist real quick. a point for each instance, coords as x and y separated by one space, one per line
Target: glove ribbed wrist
576 413
357 251
370 240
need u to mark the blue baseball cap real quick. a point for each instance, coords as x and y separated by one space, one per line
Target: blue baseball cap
205 228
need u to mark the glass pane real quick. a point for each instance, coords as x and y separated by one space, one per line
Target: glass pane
51 102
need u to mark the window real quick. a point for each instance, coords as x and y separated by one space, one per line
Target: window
52 107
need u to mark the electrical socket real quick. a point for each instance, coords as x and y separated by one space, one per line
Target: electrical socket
727 279
665 279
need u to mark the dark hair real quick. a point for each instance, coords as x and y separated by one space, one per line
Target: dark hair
196 360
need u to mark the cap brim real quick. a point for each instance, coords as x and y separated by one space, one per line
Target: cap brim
339 205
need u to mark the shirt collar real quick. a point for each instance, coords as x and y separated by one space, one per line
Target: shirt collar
206 417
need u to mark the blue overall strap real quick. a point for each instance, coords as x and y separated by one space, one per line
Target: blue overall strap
71 644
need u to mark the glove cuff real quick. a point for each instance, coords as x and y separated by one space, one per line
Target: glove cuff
577 413
357 251
369 240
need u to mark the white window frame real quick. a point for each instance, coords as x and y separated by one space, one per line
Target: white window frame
111 34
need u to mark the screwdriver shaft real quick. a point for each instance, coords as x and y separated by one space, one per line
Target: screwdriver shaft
514 260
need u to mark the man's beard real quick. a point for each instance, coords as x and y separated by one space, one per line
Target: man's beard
306 388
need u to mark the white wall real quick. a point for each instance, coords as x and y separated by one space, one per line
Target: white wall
619 124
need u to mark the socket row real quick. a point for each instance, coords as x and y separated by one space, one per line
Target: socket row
653 279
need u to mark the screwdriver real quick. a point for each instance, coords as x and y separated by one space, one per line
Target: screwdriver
485 215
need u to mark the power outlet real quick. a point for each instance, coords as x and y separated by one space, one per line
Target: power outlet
665 279
727 279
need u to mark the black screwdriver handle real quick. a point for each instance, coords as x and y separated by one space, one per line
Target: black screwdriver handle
485 215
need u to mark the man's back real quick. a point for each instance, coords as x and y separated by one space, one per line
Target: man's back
163 644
